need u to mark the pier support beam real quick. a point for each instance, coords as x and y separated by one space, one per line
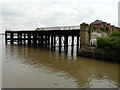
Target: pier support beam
20 38
66 44
59 43
78 43
41 40
6 37
51 42
54 42
29 39
24 38
11 36
35 39
48 42
72 44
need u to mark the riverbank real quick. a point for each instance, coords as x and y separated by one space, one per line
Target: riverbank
100 54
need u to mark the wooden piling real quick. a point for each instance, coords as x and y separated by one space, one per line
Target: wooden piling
29 39
77 43
34 38
6 37
72 44
51 42
11 36
59 43
54 42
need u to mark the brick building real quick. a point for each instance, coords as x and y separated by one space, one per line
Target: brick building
99 23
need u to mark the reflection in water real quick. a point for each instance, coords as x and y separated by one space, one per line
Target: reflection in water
72 71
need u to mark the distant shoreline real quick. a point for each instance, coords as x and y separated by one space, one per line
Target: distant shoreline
2 34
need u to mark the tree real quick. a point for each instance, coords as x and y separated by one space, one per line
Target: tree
112 42
84 23
115 34
102 28
106 28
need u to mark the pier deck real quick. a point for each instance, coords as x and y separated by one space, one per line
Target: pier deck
43 38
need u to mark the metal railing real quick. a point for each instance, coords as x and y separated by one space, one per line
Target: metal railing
59 28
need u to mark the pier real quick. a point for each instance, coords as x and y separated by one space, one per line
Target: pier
50 38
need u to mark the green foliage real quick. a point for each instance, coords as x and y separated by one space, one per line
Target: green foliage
84 23
115 34
94 27
106 28
102 28
110 43
94 45
42 30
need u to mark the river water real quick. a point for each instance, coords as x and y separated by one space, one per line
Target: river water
28 67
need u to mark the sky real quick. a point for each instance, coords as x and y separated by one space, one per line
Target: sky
32 14
119 14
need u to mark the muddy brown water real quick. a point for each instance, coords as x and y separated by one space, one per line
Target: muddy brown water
28 67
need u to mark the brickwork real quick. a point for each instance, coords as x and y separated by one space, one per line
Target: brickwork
84 35
99 24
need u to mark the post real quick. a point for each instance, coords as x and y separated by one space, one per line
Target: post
41 40
29 39
11 37
20 38
54 42
48 41
77 43
5 37
66 43
59 43
51 42
35 38
24 37
72 43
18 35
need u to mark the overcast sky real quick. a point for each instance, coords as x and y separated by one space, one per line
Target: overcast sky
31 14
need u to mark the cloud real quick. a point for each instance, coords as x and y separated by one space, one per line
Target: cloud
32 15
19 14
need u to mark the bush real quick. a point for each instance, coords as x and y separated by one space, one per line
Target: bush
106 28
102 28
109 43
84 23
115 34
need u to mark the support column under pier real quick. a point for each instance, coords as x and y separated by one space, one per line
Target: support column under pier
29 39
11 37
51 42
59 43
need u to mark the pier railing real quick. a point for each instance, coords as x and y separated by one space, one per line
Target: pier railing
60 28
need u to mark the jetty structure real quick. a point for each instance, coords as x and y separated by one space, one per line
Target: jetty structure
47 37
50 36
